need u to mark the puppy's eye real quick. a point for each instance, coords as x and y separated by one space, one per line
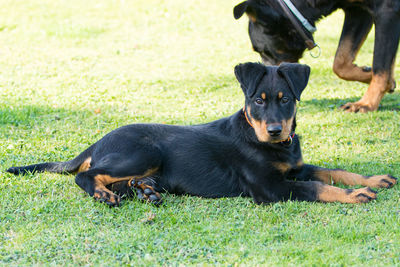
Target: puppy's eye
259 101
285 99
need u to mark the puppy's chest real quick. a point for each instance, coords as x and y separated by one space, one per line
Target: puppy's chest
287 165
281 164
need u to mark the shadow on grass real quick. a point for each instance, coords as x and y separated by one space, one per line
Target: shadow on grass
207 83
30 115
391 102
37 115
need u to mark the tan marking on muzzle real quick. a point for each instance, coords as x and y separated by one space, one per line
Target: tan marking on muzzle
287 128
260 127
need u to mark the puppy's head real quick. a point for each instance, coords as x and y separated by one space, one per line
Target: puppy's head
271 93
271 32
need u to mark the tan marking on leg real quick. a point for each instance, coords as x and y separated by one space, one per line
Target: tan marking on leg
263 96
252 17
392 81
148 173
348 178
283 167
106 179
379 85
85 165
299 163
343 64
101 180
328 193
280 95
339 176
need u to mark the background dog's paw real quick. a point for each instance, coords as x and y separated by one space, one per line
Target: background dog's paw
381 181
362 195
358 107
109 198
366 68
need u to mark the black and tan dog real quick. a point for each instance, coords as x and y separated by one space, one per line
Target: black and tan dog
274 36
254 152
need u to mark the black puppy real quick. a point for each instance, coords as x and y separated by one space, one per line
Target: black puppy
254 152
278 39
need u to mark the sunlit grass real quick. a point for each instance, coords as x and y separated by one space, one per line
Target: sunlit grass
71 71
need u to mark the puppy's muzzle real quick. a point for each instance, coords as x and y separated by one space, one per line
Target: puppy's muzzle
274 129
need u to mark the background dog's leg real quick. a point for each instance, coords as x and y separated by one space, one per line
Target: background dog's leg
387 32
357 25
329 176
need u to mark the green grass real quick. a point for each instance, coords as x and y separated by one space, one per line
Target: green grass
172 62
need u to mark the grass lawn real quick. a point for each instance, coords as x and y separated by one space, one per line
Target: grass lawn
71 71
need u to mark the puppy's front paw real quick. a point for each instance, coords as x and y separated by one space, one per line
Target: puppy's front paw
381 181
362 195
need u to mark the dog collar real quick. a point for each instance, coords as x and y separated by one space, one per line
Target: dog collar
287 142
299 21
247 118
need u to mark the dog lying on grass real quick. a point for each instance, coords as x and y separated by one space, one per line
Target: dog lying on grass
255 152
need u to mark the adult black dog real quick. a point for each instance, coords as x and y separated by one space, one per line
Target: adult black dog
274 35
254 152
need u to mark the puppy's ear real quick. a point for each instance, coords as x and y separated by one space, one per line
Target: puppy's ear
249 76
239 10
296 75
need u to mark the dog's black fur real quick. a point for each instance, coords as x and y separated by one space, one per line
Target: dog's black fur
251 153
275 38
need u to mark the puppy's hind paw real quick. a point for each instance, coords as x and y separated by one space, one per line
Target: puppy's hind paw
146 192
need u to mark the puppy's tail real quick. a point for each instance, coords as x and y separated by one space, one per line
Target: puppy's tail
70 166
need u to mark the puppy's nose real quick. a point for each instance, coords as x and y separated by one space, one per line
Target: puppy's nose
274 129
